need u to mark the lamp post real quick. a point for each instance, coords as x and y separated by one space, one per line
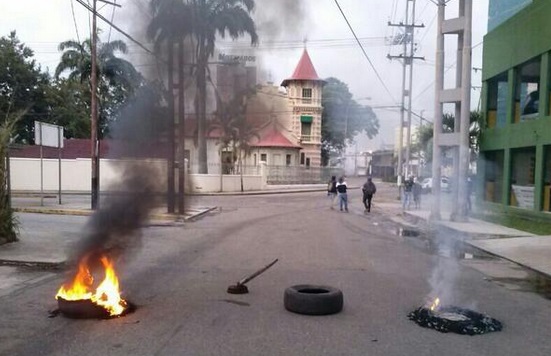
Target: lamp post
346 129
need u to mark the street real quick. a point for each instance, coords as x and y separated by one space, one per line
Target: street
178 275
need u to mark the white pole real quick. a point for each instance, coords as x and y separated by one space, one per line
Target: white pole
465 112
59 162
41 165
439 86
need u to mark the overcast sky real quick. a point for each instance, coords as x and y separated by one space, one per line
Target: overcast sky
283 27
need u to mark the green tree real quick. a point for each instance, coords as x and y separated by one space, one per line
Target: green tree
212 17
69 106
343 118
234 128
8 221
423 143
22 87
203 20
117 78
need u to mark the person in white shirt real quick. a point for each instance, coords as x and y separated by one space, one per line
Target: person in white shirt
342 194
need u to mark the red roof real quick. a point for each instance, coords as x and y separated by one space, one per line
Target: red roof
81 148
304 71
275 138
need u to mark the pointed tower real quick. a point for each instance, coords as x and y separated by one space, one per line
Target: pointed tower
304 89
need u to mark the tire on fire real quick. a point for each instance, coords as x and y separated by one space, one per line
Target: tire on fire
313 299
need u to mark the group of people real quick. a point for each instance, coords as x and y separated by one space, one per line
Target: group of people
339 189
411 191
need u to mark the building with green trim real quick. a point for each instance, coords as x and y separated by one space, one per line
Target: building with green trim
515 144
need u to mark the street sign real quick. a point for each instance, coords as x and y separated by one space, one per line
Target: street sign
48 135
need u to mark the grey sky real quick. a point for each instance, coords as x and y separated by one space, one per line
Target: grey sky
43 24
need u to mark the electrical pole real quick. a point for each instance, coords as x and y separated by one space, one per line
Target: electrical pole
407 56
181 128
94 110
94 141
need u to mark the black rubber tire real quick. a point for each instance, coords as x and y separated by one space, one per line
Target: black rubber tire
313 299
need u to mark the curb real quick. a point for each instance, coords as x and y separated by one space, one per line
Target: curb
75 212
34 264
84 212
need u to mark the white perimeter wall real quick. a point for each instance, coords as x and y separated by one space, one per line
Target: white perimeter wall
76 176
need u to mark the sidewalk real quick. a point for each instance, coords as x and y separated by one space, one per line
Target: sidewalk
31 249
523 248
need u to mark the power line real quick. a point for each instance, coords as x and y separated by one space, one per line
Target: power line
447 70
75 20
116 27
364 52
112 19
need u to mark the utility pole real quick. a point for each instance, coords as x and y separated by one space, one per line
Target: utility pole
181 128
94 141
94 110
407 56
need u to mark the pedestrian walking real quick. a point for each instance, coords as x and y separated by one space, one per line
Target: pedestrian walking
416 190
342 194
408 187
368 190
469 193
332 191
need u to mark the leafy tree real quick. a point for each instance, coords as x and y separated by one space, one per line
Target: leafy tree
117 78
203 20
212 17
8 221
69 106
234 127
22 87
343 118
423 145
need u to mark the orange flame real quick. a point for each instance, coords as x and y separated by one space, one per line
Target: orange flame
435 304
106 295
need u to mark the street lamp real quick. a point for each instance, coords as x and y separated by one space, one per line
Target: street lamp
346 130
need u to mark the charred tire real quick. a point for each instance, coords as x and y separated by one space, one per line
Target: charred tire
313 299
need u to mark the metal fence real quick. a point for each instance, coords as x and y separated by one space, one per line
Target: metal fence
300 175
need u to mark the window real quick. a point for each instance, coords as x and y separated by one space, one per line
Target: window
307 95
527 90
263 157
288 160
523 163
306 127
498 89
307 162
493 181
254 160
302 158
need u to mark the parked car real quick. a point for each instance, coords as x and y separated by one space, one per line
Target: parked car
426 185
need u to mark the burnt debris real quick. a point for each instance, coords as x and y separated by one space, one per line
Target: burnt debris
455 319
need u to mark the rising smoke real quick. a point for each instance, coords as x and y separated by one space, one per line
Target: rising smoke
125 208
445 273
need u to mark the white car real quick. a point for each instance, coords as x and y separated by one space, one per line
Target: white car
426 184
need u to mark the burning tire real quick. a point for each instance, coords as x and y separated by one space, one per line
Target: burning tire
313 300
456 320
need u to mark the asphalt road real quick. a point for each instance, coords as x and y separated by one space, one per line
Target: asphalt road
177 276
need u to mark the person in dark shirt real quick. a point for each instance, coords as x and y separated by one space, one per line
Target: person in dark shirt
342 194
332 190
368 190
408 187
416 190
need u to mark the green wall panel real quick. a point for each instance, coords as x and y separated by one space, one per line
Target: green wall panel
520 38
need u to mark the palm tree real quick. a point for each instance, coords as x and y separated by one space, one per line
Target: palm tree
117 78
212 17
9 224
171 24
